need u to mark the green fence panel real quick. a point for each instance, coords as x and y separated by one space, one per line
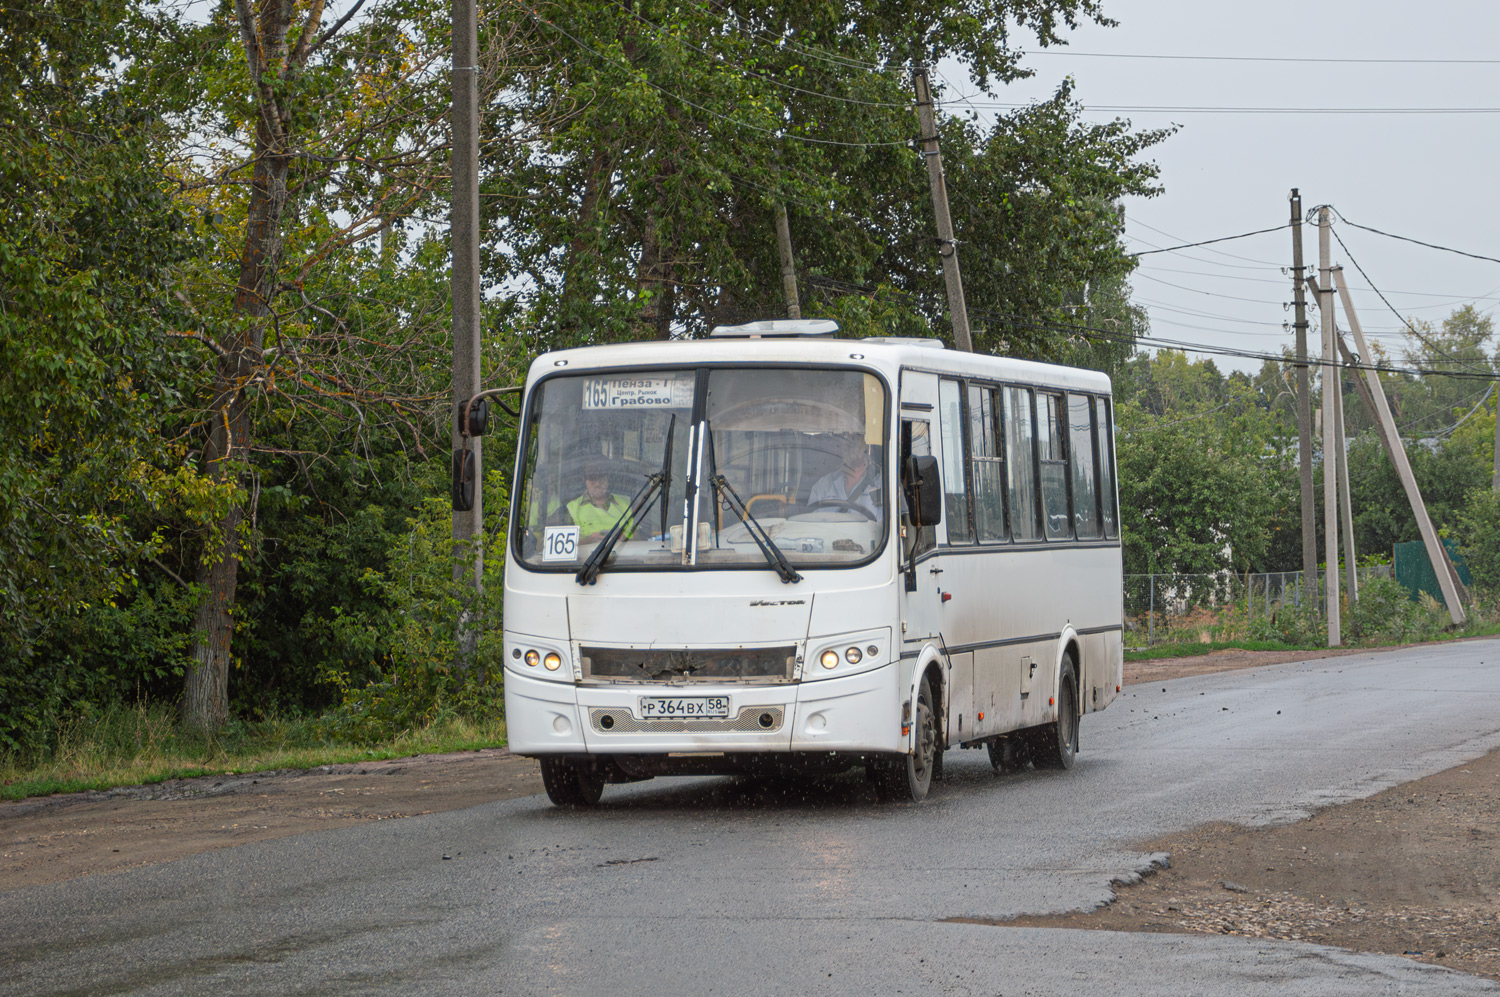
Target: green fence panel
1413 568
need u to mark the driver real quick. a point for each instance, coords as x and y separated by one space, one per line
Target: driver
598 508
854 481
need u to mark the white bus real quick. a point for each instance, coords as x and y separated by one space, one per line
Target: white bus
776 549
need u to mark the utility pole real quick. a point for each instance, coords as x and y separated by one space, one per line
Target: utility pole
1330 461
788 269
1346 510
464 241
947 247
1441 566
1304 401
1495 482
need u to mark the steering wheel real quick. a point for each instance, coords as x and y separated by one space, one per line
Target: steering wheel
844 504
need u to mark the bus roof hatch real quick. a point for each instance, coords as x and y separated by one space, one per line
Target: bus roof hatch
776 329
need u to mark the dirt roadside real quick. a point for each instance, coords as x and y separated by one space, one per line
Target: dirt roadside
1411 871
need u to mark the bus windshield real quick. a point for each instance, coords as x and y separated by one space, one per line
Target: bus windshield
802 451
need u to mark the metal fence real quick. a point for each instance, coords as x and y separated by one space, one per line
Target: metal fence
1160 607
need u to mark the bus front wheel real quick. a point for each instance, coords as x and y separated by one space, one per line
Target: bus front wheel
1055 745
910 776
569 784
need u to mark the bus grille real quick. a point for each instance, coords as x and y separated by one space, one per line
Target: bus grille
763 664
751 719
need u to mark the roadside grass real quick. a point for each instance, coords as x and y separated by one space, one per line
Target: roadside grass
140 745
1188 649
1392 622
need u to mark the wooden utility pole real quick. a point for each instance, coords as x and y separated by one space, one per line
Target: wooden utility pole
1304 401
947 247
1495 482
464 242
788 269
1441 566
1330 461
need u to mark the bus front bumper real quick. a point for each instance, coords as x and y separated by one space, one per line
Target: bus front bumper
854 713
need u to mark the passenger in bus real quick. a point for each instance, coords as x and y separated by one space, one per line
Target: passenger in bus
598 509
856 481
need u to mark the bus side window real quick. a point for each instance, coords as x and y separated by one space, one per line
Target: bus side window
1054 467
1020 464
915 442
1104 437
1081 459
987 464
955 492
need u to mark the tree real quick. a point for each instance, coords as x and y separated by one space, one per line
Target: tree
648 209
313 147
87 364
1191 501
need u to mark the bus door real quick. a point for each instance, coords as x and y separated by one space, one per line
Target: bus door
921 557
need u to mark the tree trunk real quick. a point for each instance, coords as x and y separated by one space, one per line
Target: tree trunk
226 452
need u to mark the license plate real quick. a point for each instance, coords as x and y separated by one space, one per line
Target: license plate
684 707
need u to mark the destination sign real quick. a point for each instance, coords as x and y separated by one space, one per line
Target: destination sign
639 391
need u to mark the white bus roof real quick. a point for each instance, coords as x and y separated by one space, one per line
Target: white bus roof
886 355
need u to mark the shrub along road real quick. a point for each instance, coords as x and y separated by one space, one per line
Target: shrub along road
1409 871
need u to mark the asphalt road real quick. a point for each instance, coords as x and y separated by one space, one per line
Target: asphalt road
734 887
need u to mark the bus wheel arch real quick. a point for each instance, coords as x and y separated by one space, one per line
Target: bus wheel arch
909 775
1054 745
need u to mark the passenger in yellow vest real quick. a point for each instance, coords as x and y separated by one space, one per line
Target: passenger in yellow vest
598 509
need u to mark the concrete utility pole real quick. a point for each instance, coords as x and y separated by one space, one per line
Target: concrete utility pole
1346 510
1330 425
947 248
1304 401
788 269
464 236
1441 566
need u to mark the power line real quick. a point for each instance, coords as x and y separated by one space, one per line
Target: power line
1221 109
1413 329
1419 242
1270 58
1206 242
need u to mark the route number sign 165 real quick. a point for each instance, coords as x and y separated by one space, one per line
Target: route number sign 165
560 543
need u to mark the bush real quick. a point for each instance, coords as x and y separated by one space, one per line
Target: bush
1384 613
1478 535
1289 624
411 643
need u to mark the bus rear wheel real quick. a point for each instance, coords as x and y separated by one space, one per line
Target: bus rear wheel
569 784
910 776
1055 745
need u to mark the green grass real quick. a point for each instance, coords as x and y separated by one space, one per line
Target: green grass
132 746
1191 648
1187 650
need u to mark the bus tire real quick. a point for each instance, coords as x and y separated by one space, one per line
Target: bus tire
910 776
1007 754
569 784
1055 745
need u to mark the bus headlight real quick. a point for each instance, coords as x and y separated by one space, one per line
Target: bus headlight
829 659
853 655
552 662
533 658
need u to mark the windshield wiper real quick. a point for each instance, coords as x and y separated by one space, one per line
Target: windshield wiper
666 475
642 501
758 533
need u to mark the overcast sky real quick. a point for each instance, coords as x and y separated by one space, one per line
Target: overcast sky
1428 175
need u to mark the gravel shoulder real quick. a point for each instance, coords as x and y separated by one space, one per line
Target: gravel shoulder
1410 871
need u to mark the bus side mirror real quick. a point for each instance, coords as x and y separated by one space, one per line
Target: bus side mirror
479 417
924 491
463 481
